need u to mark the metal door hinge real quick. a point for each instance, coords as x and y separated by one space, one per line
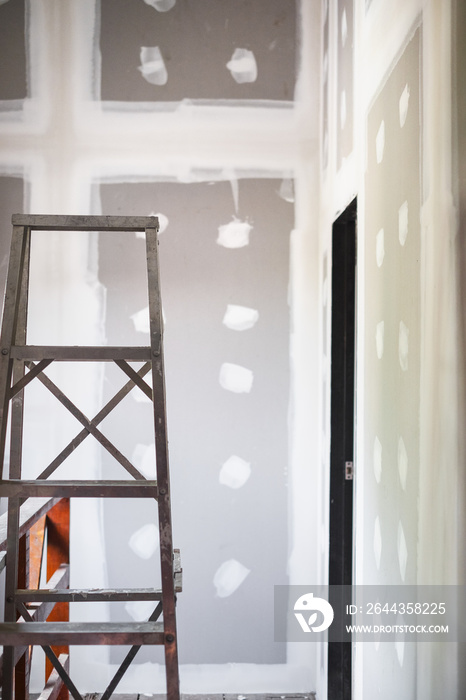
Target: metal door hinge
348 470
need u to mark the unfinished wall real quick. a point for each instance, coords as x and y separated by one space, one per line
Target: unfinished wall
409 475
225 274
188 112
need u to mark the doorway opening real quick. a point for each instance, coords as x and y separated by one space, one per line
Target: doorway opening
342 429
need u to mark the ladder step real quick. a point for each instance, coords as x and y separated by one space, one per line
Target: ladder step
80 353
57 222
80 633
10 488
78 595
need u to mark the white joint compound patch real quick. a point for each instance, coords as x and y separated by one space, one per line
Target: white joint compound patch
403 105
234 235
380 247
402 463
403 223
152 65
161 5
344 28
379 338
143 458
145 541
403 346
400 643
342 109
380 142
140 610
234 472
377 542
286 191
229 577
236 378
377 459
402 551
141 320
240 318
243 66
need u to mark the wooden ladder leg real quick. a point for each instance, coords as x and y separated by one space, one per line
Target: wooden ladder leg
23 666
14 330
163 478
58 552
10 317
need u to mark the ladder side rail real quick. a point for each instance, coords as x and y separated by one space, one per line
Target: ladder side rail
163 481
15 330
9 322
23 667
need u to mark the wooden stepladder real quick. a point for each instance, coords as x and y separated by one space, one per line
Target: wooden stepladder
39 616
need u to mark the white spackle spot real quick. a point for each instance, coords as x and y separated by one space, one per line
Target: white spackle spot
234 235
143 458
163 223
234 472
243 66
379 338
403 223
145 541
403 105
403 346
152 65
240 318
286 191
140 396
402 551
140 610
380 142
400 649
141 320
229 576
236 378
161 5
402 463
325 292
377 459
342 109
234 190
344 28
377 542
380 247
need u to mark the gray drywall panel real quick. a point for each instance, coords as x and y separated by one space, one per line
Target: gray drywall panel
208 424
13 84
196 39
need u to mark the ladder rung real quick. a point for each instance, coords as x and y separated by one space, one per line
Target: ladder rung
80 633
80 353
53 222
10 488
78 595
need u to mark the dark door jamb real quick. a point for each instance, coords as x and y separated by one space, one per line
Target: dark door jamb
342 427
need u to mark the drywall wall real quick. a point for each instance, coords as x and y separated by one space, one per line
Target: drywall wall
244 133
225 275
409 471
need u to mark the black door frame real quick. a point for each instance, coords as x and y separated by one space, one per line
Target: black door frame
342 433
